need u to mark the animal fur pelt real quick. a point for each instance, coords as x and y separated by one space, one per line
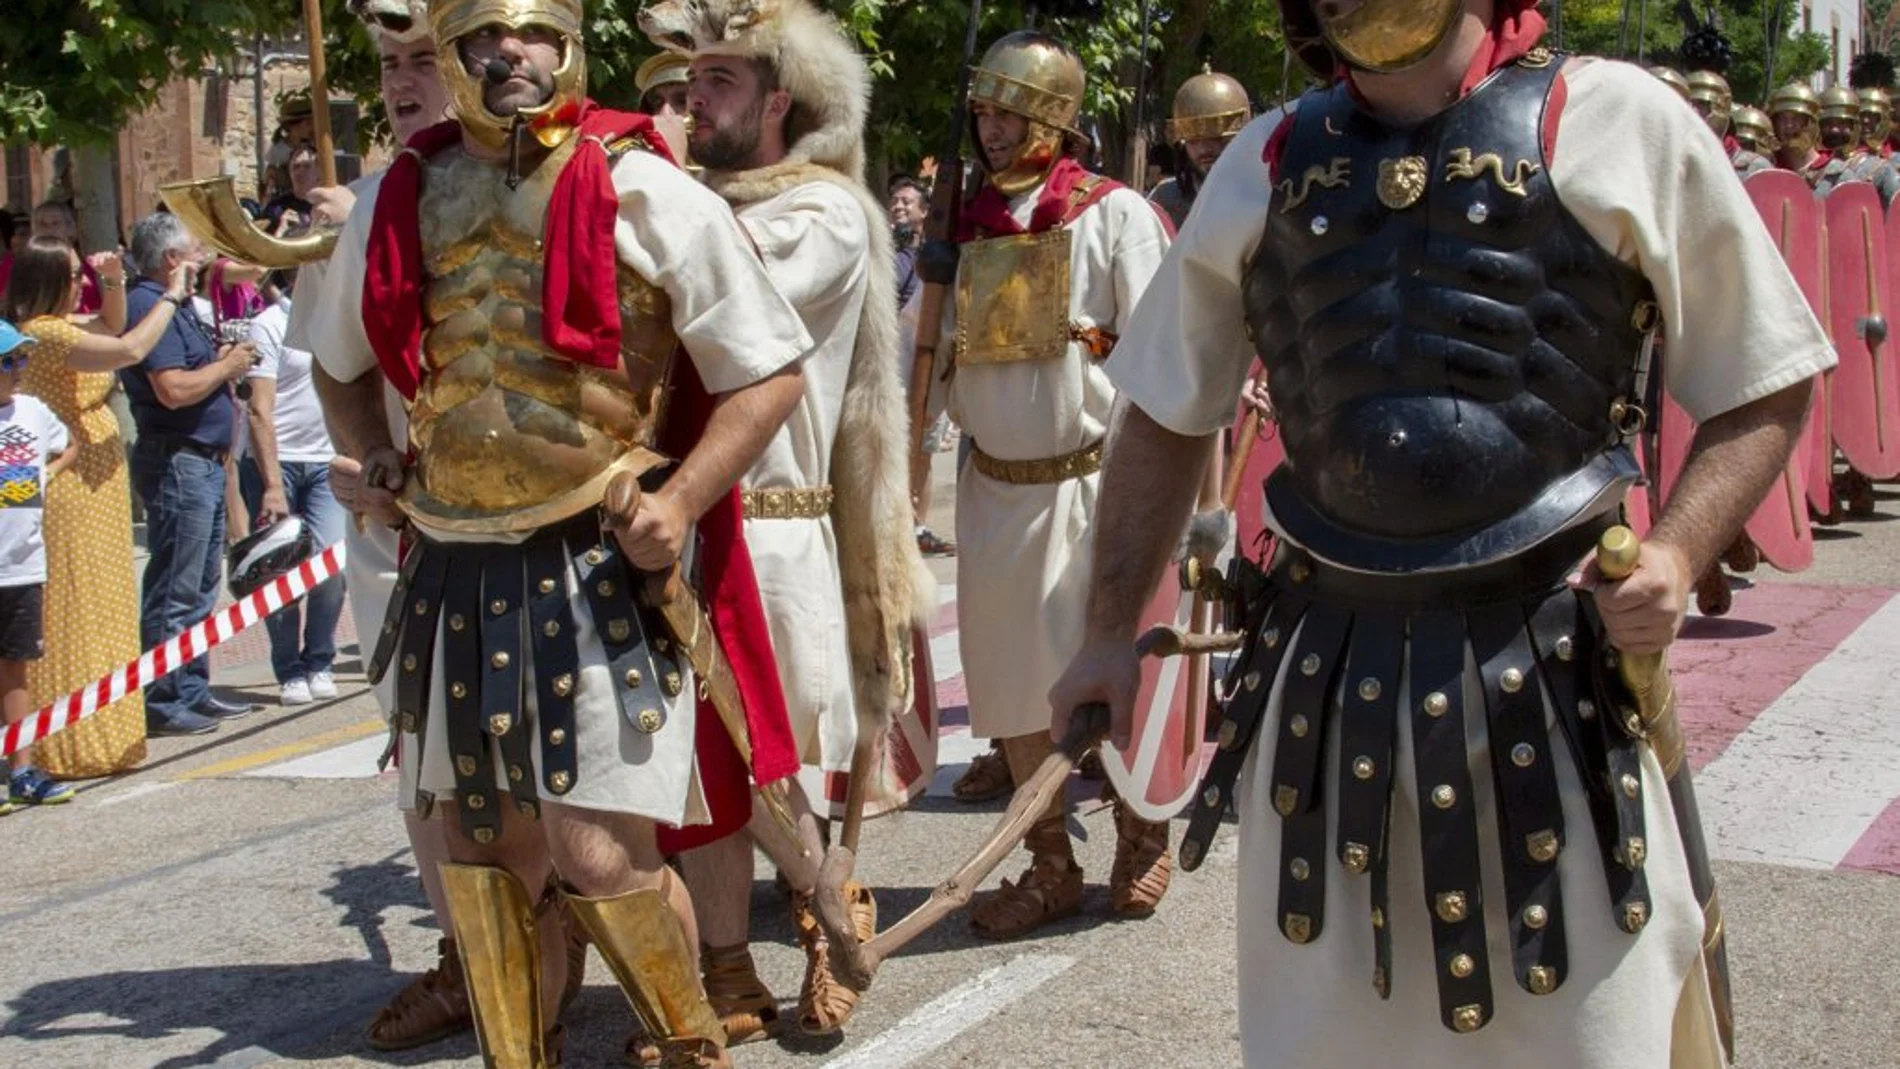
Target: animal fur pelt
887 589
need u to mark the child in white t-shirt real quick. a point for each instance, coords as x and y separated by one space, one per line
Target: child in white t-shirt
33 449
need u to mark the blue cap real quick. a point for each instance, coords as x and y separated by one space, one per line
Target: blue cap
11 338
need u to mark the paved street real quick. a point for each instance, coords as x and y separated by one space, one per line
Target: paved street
247 899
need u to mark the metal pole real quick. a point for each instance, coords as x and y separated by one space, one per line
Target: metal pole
1642 32
1557 17
1138 144
257 107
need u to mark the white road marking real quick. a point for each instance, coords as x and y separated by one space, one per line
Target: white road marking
1803 782
954 1012
130 793
352 760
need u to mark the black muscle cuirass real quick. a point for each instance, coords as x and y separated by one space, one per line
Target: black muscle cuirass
1452 356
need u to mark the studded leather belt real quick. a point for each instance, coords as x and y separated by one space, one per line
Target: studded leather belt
1083 462
786 503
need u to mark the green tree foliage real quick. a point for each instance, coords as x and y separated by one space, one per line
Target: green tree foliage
1610 28
73 71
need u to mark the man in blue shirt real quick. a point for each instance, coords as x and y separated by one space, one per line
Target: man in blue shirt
181 401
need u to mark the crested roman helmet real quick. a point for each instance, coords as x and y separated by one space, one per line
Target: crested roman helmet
1710 94
1038 77
1797 98
551 122
1752 129
1208 105
1672 78
1876 115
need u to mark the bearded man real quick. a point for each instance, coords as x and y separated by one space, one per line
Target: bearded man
778 110
1209 109
1461 840
530 272
1840 125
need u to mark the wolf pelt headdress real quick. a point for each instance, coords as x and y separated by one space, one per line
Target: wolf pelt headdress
887 589
400 20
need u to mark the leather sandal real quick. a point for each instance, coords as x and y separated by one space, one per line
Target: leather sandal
695 1054
1143 865
744 1004
1712 595
1049 890
825 1001
1855 492
987 779
434 1006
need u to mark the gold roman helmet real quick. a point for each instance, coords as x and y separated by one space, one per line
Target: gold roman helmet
1876 116
1036 76
552 122
1797 98
1709 92
1674 80
666 68
1840 102
1752 129
1208 105
1374 35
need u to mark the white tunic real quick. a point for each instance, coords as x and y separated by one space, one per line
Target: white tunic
737 330
1023 553
814 242
1650 183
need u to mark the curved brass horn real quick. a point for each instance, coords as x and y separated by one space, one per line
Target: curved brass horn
209 208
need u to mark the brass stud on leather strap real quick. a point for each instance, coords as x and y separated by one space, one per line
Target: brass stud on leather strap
633 678
1523 755
1378 917
408 662
1443 796
1270 638
557 737
1369 689
594 556
671 685
551 628
1363 767
422 606
1511 681
1535 917
475 801
458 690
1297 926
500 659
1300 572
1635 852
1541 979
1461 966
499 723
1309 665
465 765
563 685
1631 785
1190 853
1250 682
605 588
1285 800
1586 709
1566 648
1542 846
559 782
1436 705
1356 857
406 723
1298 726
545 586
457 621
1451 906
498 606
1228 735
1210 797
514 774
1468 1018
484 836
618 629
1635 916
651 720
1299 869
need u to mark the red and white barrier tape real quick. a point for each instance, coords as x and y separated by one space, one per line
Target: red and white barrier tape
154 664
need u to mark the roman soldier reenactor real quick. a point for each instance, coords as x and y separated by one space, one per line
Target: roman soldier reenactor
1795 112
1209 109
1465 839
1840 125
1052 260
573 581
1752 131
1709 94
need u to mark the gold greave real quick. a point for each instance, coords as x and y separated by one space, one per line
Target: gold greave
493 917
645 945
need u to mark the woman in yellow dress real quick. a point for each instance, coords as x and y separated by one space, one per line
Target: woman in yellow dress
92 602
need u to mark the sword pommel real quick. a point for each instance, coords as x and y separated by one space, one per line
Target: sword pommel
1617 552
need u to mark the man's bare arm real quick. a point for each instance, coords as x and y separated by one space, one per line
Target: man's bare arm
1149 483
354 412
741 425
1733 462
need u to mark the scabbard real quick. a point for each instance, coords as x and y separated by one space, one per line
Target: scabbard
1695 850
1655 693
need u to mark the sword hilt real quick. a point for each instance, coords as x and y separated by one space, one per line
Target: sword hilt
1645 674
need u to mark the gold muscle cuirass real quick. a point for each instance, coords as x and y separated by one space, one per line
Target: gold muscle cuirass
1013 298
509 436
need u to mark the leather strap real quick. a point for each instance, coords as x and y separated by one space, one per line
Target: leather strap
1448 820
1618 771
1249 686
556 664
1306 709
462 676
504 719
1368 726
1531 832
418 610
387 638
641 671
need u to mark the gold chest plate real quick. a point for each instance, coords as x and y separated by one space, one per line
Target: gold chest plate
508 435
1013 298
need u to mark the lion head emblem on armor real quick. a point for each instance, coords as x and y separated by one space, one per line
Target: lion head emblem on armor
1402 182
